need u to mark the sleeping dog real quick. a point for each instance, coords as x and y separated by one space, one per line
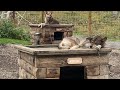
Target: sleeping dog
96 42
69 43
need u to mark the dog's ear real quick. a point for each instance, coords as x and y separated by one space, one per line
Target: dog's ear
104 39
96 37
45 12
89 38
48 13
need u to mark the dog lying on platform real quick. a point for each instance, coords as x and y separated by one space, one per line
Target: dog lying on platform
96 42
74 43
69 43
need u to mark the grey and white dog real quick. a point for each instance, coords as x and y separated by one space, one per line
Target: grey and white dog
96 42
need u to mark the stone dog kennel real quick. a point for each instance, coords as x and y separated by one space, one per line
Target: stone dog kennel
46 61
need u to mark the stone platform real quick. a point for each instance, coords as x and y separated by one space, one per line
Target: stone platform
45 61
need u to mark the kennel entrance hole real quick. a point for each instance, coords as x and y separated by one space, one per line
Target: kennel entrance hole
58 35
73 72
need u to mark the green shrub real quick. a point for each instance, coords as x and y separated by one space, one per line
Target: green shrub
8 30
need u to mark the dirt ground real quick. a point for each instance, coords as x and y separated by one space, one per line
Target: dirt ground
9 57
8 62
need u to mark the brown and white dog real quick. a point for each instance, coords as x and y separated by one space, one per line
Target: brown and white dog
48 19
96 42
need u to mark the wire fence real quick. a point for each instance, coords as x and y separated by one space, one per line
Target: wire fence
102 22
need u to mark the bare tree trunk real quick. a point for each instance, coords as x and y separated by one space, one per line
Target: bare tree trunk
14 17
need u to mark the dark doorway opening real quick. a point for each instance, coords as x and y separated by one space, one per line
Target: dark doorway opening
58 35
73 72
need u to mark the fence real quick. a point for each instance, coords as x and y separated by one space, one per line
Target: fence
102 22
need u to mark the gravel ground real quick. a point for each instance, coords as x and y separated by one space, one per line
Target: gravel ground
9 57
113 45
114 62
8 62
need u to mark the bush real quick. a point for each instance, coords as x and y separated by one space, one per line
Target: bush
8 30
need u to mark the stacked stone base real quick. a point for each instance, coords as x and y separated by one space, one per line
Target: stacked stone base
98 72
48 67
27 71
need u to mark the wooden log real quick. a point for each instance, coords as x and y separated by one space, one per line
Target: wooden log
52 25
39 73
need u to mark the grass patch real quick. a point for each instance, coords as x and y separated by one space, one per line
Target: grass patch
13 41
103 23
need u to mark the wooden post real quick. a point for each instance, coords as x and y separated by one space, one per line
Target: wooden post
90 23
13 17
42 16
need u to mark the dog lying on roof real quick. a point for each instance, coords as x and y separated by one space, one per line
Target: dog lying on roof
96 42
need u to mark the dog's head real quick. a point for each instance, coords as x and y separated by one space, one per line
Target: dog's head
86 43
89 39
89 42
48 16
99 40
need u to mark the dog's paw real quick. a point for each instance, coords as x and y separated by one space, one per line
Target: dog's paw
41 25
98 47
